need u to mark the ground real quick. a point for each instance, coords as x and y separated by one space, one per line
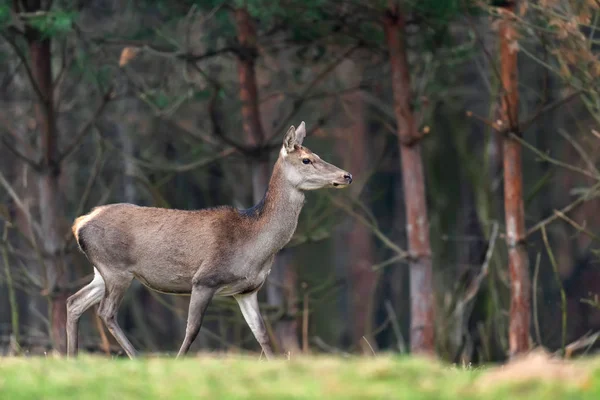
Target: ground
210 377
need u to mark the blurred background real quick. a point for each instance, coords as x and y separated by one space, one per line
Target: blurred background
184 104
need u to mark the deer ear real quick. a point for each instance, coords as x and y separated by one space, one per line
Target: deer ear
300 133
290 139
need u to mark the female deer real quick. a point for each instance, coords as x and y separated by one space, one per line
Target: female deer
218 251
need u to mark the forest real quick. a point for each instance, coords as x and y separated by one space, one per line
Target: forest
471 129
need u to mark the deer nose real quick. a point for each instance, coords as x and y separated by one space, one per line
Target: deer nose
348 177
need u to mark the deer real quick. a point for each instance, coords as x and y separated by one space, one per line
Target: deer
218 251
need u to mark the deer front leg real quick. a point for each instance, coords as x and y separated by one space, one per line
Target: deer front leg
249 305
199 301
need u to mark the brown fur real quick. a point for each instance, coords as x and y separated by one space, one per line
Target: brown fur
202 253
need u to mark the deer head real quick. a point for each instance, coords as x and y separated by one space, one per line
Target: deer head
304 169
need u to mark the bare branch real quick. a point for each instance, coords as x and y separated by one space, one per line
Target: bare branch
175 168
554 161
168 51
13 194
86 128
483 48
304 95
402 254
216 126
582 153
586 341
576 226
23 59
476 284
582 199
33 164
191 166
488 122
96 168
550 107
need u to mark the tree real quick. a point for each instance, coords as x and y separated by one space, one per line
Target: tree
513 188
413 179
33 27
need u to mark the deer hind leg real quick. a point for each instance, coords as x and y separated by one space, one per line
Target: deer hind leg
77 304
199 301
116 286
249 306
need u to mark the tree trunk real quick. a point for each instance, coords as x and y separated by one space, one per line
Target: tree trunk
50 199
356 241
513 191
252 125
285 329
413 179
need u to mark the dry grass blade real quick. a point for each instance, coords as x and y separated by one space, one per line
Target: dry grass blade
585 341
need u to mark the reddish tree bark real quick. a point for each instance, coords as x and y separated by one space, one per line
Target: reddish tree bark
417 226
253 129
513 190
356 241
284 296
50 199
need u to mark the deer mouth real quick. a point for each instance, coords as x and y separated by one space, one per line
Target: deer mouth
340 185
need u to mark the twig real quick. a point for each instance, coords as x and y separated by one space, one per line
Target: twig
563 296
582 153
23 59
174 168
9 77
486 121
11 192
303 96
577 226
33 164
163 51
395 326
530 120
485 50
585 341
476 284
387 262
551 160
85 128
582 199
96 168
369 344
324 346
402 254
216 126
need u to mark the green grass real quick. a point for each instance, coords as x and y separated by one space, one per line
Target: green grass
204 377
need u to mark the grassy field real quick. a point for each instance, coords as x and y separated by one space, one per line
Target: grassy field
382 377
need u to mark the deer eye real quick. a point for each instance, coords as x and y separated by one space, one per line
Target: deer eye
305 161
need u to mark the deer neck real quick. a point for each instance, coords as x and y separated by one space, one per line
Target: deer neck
276 216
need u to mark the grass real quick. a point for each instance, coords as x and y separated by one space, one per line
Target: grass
206 377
